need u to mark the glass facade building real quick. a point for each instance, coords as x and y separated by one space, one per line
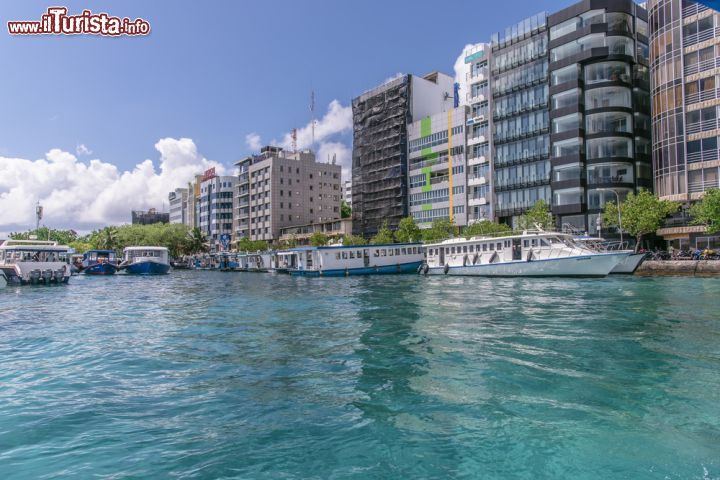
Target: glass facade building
600 108
684 68
521 117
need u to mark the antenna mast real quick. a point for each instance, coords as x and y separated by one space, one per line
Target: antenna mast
312 119
293 135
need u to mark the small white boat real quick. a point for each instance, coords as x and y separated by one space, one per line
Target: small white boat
340 261
627 266
529 254
34 262
146 260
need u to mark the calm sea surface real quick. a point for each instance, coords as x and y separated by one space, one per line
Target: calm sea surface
241 375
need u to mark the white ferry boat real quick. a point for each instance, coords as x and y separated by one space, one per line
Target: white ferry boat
530 254
34 262
340 261
627 266
146 260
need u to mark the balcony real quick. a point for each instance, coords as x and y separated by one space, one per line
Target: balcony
702 96
476 140
479 160
477 180
477 75
703 156
693 9
698 37
702 186
702 66
702 126
521 182
475 201
480 96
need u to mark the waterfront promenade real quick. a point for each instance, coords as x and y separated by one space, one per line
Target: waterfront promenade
204 374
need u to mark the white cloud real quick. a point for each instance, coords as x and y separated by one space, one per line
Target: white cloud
81 149
336 121
460 70
89 195
393 77
253 141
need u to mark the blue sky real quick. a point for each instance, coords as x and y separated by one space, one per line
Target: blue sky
149 112
217 71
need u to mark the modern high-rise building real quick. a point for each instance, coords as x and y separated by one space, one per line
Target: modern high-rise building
684 72
600 108
214 209
521 117
178 200
379 159
347 192
437 179
478 151
277 189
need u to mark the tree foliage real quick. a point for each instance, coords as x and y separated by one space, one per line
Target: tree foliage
345 210
318 239
349 240
63 237
441 229
641 214
539 215
195 242
707 211
408 231
247 245
485 227
383 235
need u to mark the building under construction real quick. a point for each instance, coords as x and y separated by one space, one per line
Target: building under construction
379 160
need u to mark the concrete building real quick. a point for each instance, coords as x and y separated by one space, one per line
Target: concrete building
279 189
214 209
600 109
478 151
437 167
149 217
347 192
334 229
684 72
379 159
521 117
178 200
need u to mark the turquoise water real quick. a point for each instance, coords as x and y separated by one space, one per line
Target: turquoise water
241 375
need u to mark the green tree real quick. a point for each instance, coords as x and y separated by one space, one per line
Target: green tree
707 211
408 231
441 229
641 214
63 237
485 227
318 239
349 240
345 210
247 245
539 215
107 238
383 235
195 242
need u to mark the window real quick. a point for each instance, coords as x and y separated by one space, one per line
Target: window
567 123
609 122
607 72
609 147
566 74
572 146
565 99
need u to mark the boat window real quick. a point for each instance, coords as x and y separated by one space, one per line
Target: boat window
337 256
526 243
471 248
383 253
359 254
492 246
534 242
344 255
377 253
484 247
464 248
403 251
430 252
544 243
390 252
397 251
499 246
352 254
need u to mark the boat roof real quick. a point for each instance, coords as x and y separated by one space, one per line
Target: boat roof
36 248
525 234
144 248
99 251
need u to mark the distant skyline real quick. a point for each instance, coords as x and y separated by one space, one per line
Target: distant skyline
210 84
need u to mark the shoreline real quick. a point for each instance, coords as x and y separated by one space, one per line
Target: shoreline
685 268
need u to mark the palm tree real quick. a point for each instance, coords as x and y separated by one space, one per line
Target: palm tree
196 241
107 238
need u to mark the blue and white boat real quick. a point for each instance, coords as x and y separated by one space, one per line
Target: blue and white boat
529 254
341 261
99 262
146 260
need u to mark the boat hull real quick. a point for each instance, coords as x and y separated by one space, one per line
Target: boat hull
576 266
3 280
410 267
100 269
629 265
148 268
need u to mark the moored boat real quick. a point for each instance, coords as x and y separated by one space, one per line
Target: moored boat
34 262
529 254
627 266
146 260
340 261
99 262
